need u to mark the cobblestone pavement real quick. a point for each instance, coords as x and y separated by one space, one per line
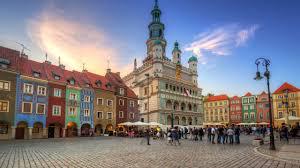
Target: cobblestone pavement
118 152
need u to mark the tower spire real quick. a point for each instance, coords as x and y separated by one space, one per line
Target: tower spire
156 4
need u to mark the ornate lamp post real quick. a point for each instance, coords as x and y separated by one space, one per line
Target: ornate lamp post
266 63
148 118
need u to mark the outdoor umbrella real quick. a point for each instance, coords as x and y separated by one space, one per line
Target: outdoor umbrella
126 123
155 124
139 123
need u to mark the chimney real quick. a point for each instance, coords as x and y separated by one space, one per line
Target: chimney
118 73
62 66
48 62
24 56
108 70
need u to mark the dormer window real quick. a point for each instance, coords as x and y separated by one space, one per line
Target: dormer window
36 74
121 91
4 63
98 83
87 85
72 82
108 85
56 77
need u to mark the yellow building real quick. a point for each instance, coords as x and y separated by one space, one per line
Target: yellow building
216 110
286 105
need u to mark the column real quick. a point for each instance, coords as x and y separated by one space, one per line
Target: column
29 132
13 132
78 131
64 132
45 132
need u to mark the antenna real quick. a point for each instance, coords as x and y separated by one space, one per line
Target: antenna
108 64
58 60
23 48
46 57
83 68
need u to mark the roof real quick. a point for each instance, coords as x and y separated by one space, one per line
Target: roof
52 70
248 94
10 57
94 78
29 67
193 59
217 98
263 93
82 79
70 75
286 86
235 98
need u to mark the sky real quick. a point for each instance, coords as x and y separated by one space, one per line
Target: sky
226 36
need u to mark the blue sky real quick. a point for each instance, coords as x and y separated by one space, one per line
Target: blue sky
227 36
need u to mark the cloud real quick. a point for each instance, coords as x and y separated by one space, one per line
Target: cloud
220 41
76 42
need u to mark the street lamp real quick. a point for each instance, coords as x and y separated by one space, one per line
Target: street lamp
266 63
286 103
148 118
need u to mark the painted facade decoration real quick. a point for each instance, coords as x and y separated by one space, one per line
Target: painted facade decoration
104 104
249 108
262 106
8 79
235 114
171 92
32 101
216 109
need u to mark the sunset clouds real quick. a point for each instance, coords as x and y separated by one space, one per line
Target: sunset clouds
221 41
76 42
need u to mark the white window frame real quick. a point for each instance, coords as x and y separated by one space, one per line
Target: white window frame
69 111
30 107
121 116
59 110
131 103
3 85
37 105
38 90
102 100
111 115
57 90
70 97
88 112
122 91
108 101
123 102
101 114
246 114
7 106
24 88
131 113
85 98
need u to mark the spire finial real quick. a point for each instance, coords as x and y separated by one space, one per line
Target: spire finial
83 66
46 57
135 64
58 60
108 64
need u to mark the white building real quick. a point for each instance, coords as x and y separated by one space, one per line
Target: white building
174 91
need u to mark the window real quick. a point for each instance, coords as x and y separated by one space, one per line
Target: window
4 85
167 86
56 77
27 107
246 116
100 115
293 104
73 96
220 103
4 106
72 111
131 115
260 105
131 103
72 82
42 91
121 114
86 112
40 108
280 115
122 91
146 106
252 116
225 102
99 101
36 74
261 115
121 102
87 98
28 88
245 100
3 128
146 89
279 96
251 107
293 113
109 102
109 115
245 107
57 92
56 110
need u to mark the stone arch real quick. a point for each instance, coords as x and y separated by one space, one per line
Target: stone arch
190 121
85 129
176 120
189 107
72 129
195 108
99 129
176 106
196 121
182 106
169 120
109 129
55 130
22 130
169 104
37 130
183 121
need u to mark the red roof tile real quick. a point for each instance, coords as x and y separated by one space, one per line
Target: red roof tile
52 70
248 94
235 98
69 75
94 78
11 55
29 67
217 98
286 86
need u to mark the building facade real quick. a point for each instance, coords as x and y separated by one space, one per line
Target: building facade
249 108
286 104
235 114
104 104
216 109
8 80
32 101
166 90
262 108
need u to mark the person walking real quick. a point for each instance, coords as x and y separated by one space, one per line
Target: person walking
221 134
201 133
284 132
237 134
209 134
169 135
230 134
213 132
